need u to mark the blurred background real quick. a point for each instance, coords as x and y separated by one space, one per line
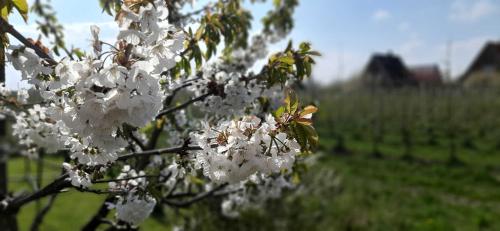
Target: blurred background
409 120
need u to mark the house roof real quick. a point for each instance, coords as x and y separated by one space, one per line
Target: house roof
387 69
489 57
426 74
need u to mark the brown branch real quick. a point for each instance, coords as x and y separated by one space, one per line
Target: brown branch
137 141
158 129
180 150
171 97
98 191
184 105
41 214
7 28
39 217
195 199
128 178
55 187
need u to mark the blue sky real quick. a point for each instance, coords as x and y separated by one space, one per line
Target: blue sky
345 32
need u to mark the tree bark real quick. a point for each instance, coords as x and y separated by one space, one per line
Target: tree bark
8 221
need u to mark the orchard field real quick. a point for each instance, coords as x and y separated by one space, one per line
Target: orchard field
407 159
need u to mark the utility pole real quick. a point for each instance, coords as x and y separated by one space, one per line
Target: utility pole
340 67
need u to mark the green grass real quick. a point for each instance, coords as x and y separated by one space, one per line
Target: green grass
373 194
355 191
71 209
425 194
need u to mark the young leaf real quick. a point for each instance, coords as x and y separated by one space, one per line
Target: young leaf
312 136
304 121
21 7
308 110
279 112
6 9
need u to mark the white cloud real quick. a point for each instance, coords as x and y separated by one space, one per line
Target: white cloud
381 15
471 10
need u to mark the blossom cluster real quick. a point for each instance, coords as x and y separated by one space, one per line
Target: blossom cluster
94 98
4 94
78 178
95 106
234 150
227 93
35 128
136 204
262 189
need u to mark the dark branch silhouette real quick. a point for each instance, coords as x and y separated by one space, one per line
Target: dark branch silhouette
7 28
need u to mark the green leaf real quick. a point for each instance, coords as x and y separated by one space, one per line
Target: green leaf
277 3
187 66
314 53
22 7
199 32
6 8
308 69
312 136
79 53
197 56
308 110
292 101
305 47
300 134
279 112
287 59
196 180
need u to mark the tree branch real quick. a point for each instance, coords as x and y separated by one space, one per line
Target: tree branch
169 98
137 141
41 214
7 28
128 178
184 105
180 149
158 129
54 187
195 199
98 191
39 217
